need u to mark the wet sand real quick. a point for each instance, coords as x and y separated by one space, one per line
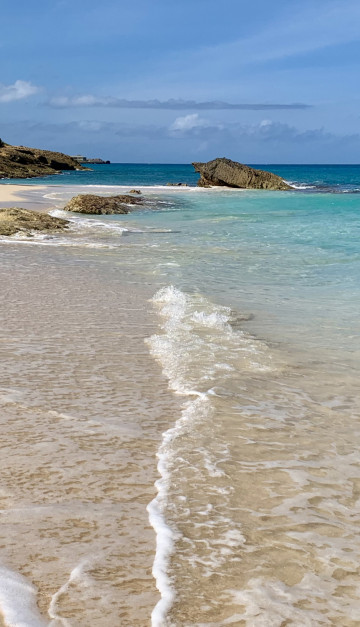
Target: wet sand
83 406
26 196
257 511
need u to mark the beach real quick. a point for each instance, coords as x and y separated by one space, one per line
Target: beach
178 408
9 193
75 483
27 196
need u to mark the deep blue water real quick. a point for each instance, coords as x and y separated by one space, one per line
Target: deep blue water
334 178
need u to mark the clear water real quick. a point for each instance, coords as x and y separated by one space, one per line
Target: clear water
256 297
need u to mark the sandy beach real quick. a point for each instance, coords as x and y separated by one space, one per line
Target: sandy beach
26 196
82 409
169 418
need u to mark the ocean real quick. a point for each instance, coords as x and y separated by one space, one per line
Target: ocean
332 178
180 405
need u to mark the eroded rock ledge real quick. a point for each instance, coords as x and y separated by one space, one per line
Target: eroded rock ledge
15 220
21 162
102 205
224 172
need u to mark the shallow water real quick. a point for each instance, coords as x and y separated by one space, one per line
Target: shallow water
82 411
219 330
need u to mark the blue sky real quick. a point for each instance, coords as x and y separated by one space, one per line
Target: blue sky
172 82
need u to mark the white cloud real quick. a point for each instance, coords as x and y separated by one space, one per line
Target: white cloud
270 132
193 124
18 91
188 122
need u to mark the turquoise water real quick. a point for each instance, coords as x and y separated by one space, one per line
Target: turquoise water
293 258
336 178
257 299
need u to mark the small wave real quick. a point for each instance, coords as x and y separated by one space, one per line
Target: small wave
78 574
18 600
40 239
90 223
197 346
321 187
301 185
146 188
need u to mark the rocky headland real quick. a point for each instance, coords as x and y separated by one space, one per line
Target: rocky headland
21 162
102 205
227 173
16 220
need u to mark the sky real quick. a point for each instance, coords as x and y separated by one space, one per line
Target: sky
165 81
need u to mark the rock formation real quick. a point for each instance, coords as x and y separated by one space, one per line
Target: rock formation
15 220
21 162
225 172
102 205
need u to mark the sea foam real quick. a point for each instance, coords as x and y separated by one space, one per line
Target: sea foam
18 601
196 346
173 307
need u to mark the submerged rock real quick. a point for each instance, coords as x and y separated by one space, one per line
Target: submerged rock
16 220
225 172
177 184
22 162
102 205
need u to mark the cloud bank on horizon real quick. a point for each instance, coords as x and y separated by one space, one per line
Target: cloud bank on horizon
195 92
173 104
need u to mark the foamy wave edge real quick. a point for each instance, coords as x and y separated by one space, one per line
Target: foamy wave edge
172 305
87 223
191 325
182 316
18 601
166 536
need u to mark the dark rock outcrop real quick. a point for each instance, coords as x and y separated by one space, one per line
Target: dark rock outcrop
16 220
21 162
225 172
102 205
177 184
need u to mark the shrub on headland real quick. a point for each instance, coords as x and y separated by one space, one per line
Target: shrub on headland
1 143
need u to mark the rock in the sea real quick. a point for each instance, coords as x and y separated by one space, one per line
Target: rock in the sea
225 172
21 162
177 184
16 220
134 191
102 205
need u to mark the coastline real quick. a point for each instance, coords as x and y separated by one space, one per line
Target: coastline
26 196
87 407
83 407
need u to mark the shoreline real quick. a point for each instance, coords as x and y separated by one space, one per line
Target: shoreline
23 195
195 289
14 192
92 468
